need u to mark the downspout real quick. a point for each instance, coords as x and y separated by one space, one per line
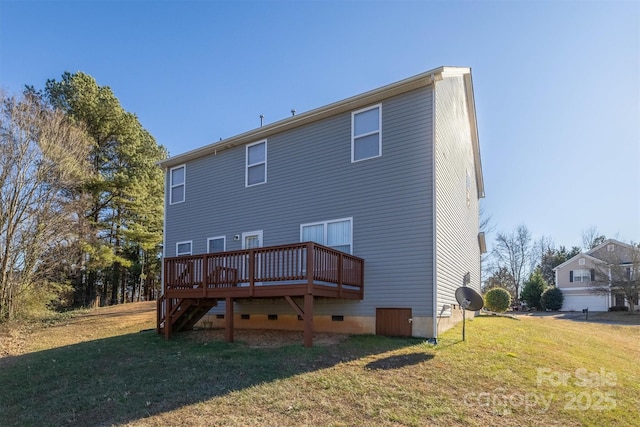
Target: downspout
434 202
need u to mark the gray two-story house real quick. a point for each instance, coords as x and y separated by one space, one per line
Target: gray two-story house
361 216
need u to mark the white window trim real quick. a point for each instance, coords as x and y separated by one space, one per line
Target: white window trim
224 242
184 185
251 233
581 261
324 223
190 242
379 132
581 276
247 165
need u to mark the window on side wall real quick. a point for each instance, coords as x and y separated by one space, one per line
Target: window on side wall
366 133
337 234
183 248
177 184
216 244
256 164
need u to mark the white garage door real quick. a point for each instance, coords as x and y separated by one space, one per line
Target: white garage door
580 302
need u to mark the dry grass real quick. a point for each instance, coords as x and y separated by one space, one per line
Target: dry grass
97 369
75 327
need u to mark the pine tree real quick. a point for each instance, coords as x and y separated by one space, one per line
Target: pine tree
124 220
533 289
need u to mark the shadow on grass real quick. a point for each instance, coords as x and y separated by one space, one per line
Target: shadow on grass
399 361
492 315
130 377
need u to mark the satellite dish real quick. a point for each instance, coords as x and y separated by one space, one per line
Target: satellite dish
468 300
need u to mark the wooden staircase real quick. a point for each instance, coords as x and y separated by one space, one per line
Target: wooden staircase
182 313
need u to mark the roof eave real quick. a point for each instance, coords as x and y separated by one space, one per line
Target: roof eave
473 124
418 81
573 258
611 242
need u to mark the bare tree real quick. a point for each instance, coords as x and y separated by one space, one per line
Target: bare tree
592 238
618 272
540 247
486 226
41 164
513 251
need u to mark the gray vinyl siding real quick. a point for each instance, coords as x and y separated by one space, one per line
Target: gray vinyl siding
310 178
457 224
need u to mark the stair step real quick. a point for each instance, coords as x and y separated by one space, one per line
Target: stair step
186 314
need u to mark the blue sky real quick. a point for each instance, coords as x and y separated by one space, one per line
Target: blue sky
557 84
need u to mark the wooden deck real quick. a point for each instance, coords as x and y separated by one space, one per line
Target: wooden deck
194 284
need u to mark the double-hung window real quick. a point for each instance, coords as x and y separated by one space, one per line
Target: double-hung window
183 248
177 184
337 234
216 244
581 276
366 133
256 164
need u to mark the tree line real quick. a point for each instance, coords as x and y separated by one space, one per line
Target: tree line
81 199
81 207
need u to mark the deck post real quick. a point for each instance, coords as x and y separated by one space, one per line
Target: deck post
205 276
308 320
340 264
228 333
167 318
310 268
159 305
252 271
362 280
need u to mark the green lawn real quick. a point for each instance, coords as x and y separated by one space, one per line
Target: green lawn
96 370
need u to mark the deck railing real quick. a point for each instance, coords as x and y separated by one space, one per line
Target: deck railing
297 263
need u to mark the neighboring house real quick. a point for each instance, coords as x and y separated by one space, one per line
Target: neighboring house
387 186
577 277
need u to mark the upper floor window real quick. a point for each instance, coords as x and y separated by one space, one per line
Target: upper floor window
256 164
183 248
177 183
337 234
581 275
366 129
629 273
216 244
